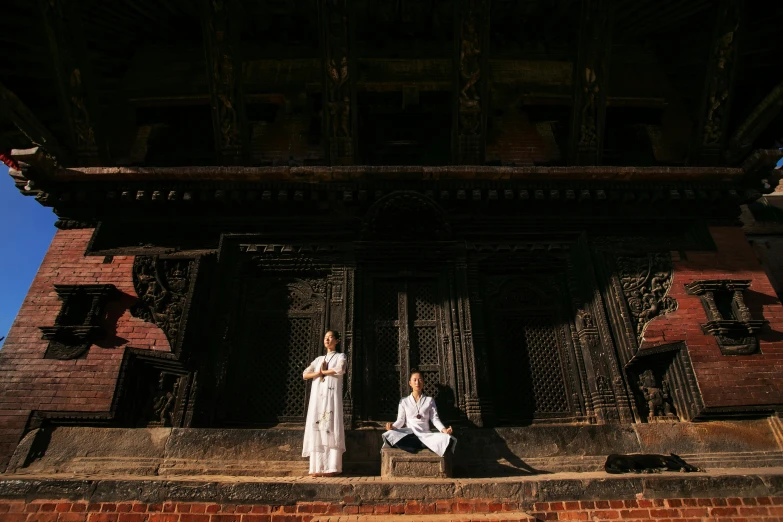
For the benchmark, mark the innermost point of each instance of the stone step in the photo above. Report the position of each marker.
(507, 516)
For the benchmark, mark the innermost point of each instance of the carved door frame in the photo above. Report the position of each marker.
(404, 322)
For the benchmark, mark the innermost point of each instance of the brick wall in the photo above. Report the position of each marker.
(514, 139)
(725, 381)
(30, 382)
(682, 509)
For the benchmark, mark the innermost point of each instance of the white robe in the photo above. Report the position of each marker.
(324, 431)
(406, 416)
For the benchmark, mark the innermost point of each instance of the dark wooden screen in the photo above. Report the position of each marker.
(281, 325)
(403, 318)
(526, 360)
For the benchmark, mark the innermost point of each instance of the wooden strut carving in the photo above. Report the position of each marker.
(718, 84)
(471, 100)
(68, 54)
(163, 287)
(338, 91)
(646, 282)
(590, 77)
(221, 38)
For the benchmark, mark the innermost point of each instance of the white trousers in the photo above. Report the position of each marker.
(330, 461)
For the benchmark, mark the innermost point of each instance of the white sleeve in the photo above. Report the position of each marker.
(434, 416)
(309, 369)
(342, 362)
(400, 422)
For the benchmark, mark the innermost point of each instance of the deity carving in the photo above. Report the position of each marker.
(164, 400)
(657, 396)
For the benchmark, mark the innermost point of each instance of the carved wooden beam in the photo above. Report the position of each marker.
(339, 81)
(221, 24)
(12, 108)
(589, 84)
(471, 46)
(711, 133)
(75, 89)
(766, 111)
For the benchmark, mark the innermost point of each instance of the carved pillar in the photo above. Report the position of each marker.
(471, 404)
(471, 36)
(718, 85)
(339, 92)
(479, 343)
(589, 82)
(341, 318)
(221, 25)
(609, 392)
(78, 101)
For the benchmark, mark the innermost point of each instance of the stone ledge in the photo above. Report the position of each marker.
(526, 491)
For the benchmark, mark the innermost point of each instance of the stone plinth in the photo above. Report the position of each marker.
(424, 464)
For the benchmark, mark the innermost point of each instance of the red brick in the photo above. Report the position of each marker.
(102, 517)
(227, 517)
(124, 507)
(133, 517)
(245, 518)
(211, 508)
(43, 517)
(366, 509)
(74, 517)
(606, 514)
(351, 510)
(381, 509)
(397, 509)
(192, 517)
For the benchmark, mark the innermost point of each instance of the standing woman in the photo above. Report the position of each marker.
(324, 437)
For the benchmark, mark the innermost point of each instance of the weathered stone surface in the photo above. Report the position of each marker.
(399, 463)
(707, 437)
(106, 450)
(524, 490)
(519, 452)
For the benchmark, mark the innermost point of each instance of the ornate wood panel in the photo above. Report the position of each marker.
(281, 323)
(402, 319)
(527, 357)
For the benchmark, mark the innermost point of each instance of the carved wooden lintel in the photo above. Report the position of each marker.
(221, 25)
(711, 132)
(590, 83)
(73, 79)
(470, 74)
(339, 93)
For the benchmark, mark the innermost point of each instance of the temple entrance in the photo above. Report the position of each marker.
(281, 325)
(526, 359)
(402, 321)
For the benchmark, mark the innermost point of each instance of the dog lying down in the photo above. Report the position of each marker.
(646, 463)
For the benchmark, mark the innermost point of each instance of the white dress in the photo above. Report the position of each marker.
(406, 416)
(324, 437)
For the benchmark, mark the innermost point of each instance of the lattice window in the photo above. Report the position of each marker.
(424, 346)
(282, 320)
(424, 301)
(418, 297)
(528, 358)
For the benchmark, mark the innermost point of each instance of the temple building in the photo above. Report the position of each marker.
(565, 214)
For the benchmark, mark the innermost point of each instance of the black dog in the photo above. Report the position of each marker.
(646, 463)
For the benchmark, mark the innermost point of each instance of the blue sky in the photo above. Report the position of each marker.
(26, 229)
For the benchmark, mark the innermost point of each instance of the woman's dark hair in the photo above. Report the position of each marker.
(415, 370)
(334, 333)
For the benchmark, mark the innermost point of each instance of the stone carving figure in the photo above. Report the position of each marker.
(163, 405)
(657, 396)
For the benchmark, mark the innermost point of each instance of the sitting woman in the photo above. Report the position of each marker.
(411, 431)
